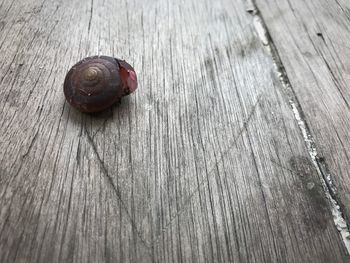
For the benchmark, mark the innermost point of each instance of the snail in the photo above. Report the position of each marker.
(96, 83)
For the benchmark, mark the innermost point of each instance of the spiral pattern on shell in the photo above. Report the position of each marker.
(95, 83)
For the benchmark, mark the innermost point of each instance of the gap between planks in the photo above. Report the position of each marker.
(319, 162)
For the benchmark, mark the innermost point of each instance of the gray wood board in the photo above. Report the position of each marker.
(204, 163)
(312, 38)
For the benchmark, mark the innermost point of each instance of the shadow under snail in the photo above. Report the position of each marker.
(96, 83)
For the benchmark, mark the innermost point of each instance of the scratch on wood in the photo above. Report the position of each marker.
(114, 187)
(211, 171)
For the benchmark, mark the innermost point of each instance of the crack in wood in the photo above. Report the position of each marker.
(91, 13)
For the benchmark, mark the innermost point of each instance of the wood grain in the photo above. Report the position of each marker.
(312, 38)
(204, 163)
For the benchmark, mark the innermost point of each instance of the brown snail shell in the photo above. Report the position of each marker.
(95, 83)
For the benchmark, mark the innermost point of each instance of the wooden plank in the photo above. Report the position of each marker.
(205, 162)
(312, 38)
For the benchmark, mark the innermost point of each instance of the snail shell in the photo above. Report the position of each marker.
(95, 83)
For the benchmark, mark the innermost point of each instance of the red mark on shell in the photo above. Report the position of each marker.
(129, 79)
(132, 81)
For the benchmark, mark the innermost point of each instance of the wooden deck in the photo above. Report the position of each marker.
(234, 148)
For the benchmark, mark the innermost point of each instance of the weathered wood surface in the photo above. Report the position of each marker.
(204, 163)
(313, 40)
